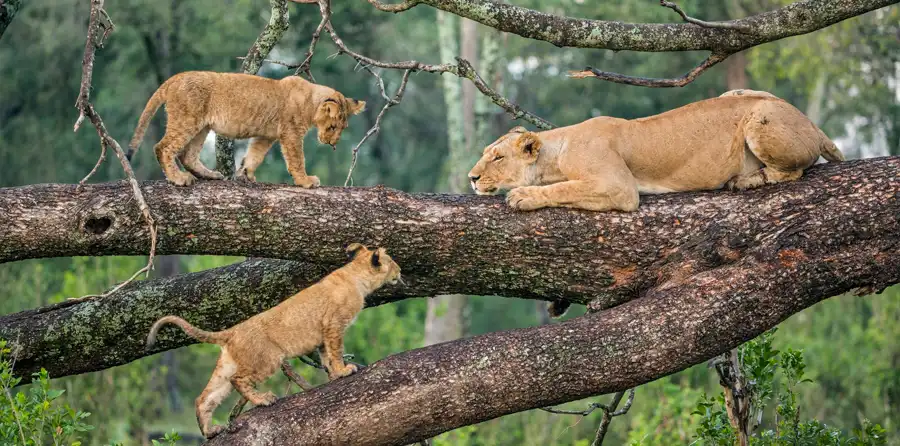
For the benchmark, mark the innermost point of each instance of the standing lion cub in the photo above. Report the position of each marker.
(242, 106)
(740, 140)
(316, 316)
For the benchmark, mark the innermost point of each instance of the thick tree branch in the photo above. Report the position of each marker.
(838, 214)
(801, 17)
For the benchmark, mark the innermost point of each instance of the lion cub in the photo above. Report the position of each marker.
(316, 316)
(740, 140)
(242, 106)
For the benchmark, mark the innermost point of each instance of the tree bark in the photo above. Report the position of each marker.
(445, 245)
(798, 18)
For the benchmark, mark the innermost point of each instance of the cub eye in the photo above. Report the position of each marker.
(498, 158)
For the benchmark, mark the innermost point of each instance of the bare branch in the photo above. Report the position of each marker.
(689, 77)
(86, 109)
(611, 412)
(390, 102)
(743, 28)
(399, 7)
(465, 70)
(325, 12)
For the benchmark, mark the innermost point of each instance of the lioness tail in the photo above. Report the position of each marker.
(209, 337)
(830, 152)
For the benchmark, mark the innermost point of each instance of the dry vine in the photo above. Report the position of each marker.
(86, 109)
(609, 411)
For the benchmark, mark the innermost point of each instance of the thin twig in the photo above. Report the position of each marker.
(390, 102)
(86, 109)
(739, 27)
(609, 411)
(12, 403)
(304, 67)
(463, 70)
(399, 7)
(689, 77)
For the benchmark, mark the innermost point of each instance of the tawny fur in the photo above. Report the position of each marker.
(740, 140)
(315, 317)
(242, 106)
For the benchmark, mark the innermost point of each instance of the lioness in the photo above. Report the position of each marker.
(241, 106)
(740, 140)
(316, 316)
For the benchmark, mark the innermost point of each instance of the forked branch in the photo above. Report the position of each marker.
(93, 41)
(688, 77)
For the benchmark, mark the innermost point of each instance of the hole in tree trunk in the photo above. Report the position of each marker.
(97, 225)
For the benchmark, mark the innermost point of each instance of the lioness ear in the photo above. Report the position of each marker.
(517, 129)
(530, 144)
(330, 108)
(354, 248)
(355, 107)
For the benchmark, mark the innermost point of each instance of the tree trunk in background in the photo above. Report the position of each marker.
(737, 399)
(444, 318)
(490, 66)
(468, 32)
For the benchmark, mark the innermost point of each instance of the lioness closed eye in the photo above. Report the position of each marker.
(242, 106)
(317, 316)
(740, 140)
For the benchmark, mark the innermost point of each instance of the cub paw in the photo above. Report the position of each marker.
(213, 431)
(215, 175)
(183, 179)
(348, 370)
(267, 399)
(307, 182)
(244, 175)
(523, 199)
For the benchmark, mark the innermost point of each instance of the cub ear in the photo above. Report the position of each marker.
(355, 107)
(330, 108)
(354, 248)
(530, 144)
(376, 258)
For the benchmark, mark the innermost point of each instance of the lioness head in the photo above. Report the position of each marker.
(332, 115)
(505, 161)
(377, 261)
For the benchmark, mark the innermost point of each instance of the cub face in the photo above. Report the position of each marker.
(332, 115)
(504, 163)
(380, 263)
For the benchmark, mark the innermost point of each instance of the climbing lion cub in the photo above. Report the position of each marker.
(317, 316)
(242, 106)
(740, 140)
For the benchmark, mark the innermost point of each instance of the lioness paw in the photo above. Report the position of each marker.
(307, 182)
(524, 199)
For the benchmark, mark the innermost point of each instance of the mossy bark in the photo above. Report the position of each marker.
(800, 17)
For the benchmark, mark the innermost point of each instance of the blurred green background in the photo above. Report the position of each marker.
(845, 78)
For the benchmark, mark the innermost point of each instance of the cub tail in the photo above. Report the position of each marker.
(209, 337)
(156, 101)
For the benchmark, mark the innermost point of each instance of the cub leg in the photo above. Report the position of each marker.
(256, 153)
(784, 140)
(292, 148)
(173, 142)
(190, 158)
(212, 396)
(244, 383)
(334, 351)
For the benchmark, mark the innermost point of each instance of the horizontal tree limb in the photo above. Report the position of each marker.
(8, 10)
(801, 17)
(445, 244)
